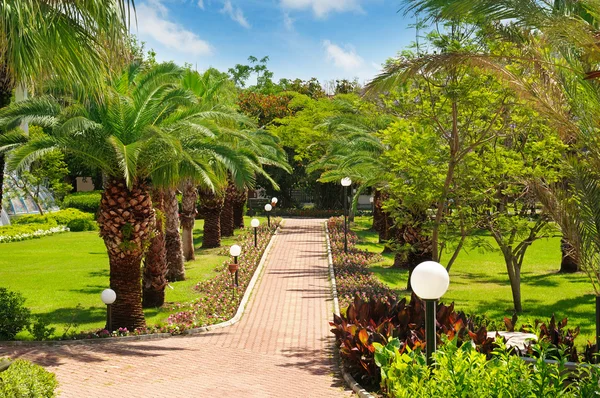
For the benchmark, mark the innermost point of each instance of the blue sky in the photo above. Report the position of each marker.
(326, 39)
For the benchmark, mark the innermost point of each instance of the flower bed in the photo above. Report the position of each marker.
(352, 269)
(18, 233)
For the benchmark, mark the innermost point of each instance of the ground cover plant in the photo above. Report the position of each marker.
(24, 379)
(72, 305)
(479, 285)
(464, 372)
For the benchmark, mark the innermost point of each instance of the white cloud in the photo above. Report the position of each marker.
(153, 24)
(322, 7)
(346, 59)
(235, 13)
(201, 4)
(288, 22)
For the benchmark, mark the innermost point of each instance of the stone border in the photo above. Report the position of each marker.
(357, 388)
(157, 336)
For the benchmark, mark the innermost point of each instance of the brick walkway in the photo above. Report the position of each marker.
(280, 348)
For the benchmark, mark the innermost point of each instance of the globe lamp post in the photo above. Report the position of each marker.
(346, 182)
(108, 296)
(274, 205)
(235, 252)
(268, 209)
(255, 223)
(430, 281)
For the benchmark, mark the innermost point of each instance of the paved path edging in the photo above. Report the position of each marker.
(156, 336)
(247, 293)
(357, 388)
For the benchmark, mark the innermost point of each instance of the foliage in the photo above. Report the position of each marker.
(82, 224)
(61, 217)
(85, 201)
(462, 371)
(264, 107)
(16, 233)
(40, 329)
(14, 316)
(24, 379)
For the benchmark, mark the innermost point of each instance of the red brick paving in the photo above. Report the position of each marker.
(280, 348)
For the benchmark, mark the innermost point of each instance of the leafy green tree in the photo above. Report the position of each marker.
(139, 131)
(74, 40)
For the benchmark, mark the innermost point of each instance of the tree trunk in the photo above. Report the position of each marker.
(421, 246)
(227, 228)
(515, 287)
(6, 89)
(378, 216)
(154, 279)
(126, 220)
(211, 205)
(239, 205)
(175, 263)
(570, 260)
(188, 217)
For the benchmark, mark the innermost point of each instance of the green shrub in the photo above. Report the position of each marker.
(81, 224)
(26, 380)
(464, 372)
(40, 330)
(61, 217)
(84, 201)
(14, 316)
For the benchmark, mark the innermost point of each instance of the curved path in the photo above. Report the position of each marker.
(280, 348)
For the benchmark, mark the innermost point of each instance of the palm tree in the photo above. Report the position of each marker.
(136, 133)
(211, 205)
(154, 279)
(75, 40)
(175, 260)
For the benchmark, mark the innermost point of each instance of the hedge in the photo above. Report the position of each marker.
(26, 380)
(84, 201)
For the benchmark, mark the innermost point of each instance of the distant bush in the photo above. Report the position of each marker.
(61, 217)
(26, 380)
(84, 201)
(14, 316)
(80, 224)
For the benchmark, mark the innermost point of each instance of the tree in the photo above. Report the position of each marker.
(73, 40)
(137, 132)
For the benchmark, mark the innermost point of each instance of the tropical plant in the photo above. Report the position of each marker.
(74, 40)
(140, 131)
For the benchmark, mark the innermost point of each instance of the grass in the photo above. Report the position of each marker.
(62, 276)
(479, 283)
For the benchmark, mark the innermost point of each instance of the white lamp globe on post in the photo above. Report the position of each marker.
(108, 296)
(255, 223)
(235, 252)
(430, 280)
(268, 209)
(274, 204)
(346, 182)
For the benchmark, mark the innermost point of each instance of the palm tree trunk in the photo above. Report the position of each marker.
(227, 228)
(569, 262)
(378, 216)
(239, 205)
(6, 89)
(154, 278)
(175, 263)
(211, 205)
(126, 220)
(188, 217)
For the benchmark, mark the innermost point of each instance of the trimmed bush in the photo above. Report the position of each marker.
(84, 201)
(61, 217)
(26, 380)
(14, 316)
(81, 224)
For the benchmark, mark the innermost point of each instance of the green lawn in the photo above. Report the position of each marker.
(62, 276)
(479, 283)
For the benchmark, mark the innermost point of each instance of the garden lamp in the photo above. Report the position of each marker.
(346, 182)
(268, 209)
(429, 281)
(255, 223)
(274, 204)
(108, 296)
(372, 201)
(235, 252)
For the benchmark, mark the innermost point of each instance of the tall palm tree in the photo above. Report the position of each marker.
(174, 246)
(136, 133)
(76, 40)
(154, 279)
